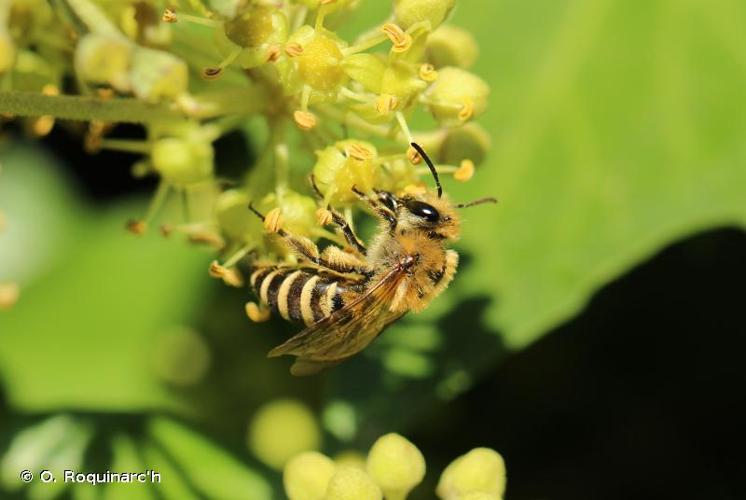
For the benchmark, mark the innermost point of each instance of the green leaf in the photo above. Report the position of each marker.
(618, 127)
(94, 296)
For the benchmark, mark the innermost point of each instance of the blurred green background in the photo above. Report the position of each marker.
(618, 128)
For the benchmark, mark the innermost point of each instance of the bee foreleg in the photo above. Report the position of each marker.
(347, 231)
(379, 209)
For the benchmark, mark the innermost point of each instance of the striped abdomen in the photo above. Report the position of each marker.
(298, 295)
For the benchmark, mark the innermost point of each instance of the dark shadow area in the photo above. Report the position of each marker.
(642, 396)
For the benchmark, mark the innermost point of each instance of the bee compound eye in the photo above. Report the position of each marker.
(423, 210)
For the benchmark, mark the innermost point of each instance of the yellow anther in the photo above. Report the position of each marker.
(324, 217)
(386, 103)
(293, 49)
(166, 230)
(428, 73)
(42, 125)
(415, 189)
(169, 15)
(402, 41)
(273, 220)
(256, 313)
(359, 152)
(137, 227)
(273, 54)
(9, 293)
(233, 277)
(413, 156)
(212, 73)
(216, 270)
(467, 109)
(305, 120)
(465, 171)
(205, 237)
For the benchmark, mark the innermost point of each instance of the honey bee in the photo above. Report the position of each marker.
(347, 297)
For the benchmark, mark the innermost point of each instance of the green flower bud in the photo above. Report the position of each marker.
(409, 12)
(367, 69)
(234, 219)
(457, 96)
(451, 46)
(478, 495)
(470, 142)
(7, 52)
(104, 59)
(352, 483)
(396, 465)
(282, 429)
(182, 162)
(344, 165)
(307, 476)
(481, 470)
(258, 26)
(298, 212)
(320, 64)
(181, 356)
(157, 75)
(402, 81)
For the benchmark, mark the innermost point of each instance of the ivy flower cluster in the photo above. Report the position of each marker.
(393, 468)
(192, 71)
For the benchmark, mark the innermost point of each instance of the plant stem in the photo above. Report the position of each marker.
(124, 110)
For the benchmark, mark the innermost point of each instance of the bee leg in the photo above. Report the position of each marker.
(340, 221)
(379, 209)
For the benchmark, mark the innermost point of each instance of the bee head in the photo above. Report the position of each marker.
(430, 213)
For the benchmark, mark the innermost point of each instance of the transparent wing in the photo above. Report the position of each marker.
(346, 331)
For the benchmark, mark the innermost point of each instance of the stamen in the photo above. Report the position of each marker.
(305, 120)
(428, 73)
(413, 156)
(293, 49)
(401, 40)
(273, 220)
(465, 171)
(467, 110)
(213, 72)
(324, 217)
(386, 103)
(359, 152)
(404, 127)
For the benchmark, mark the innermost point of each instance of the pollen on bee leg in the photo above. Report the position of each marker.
(324, 217)
(273, 220)
(305, 120)
(257, 313)
(9, 293)
(465, 171)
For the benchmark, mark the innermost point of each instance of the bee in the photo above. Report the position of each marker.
(347, 297)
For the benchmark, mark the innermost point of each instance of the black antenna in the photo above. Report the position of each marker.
(429, 164)
(480, 201)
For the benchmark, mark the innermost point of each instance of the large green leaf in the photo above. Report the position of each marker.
(618, 127)
(94, 299)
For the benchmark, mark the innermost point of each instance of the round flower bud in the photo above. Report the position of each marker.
(7, 52)
(468, 142)
(478, 495)
(451, 46)
(104, 59)
(257, 26)
(345, 165)
(402, 81)
(182, 162)
(320, 64)
(481, 470)
(396, 465)
(409, 12)
(307, 476)
(157, 75)
(457, 96)
(298, 213)
(234, 219)
(282, 429)
(352, 483)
